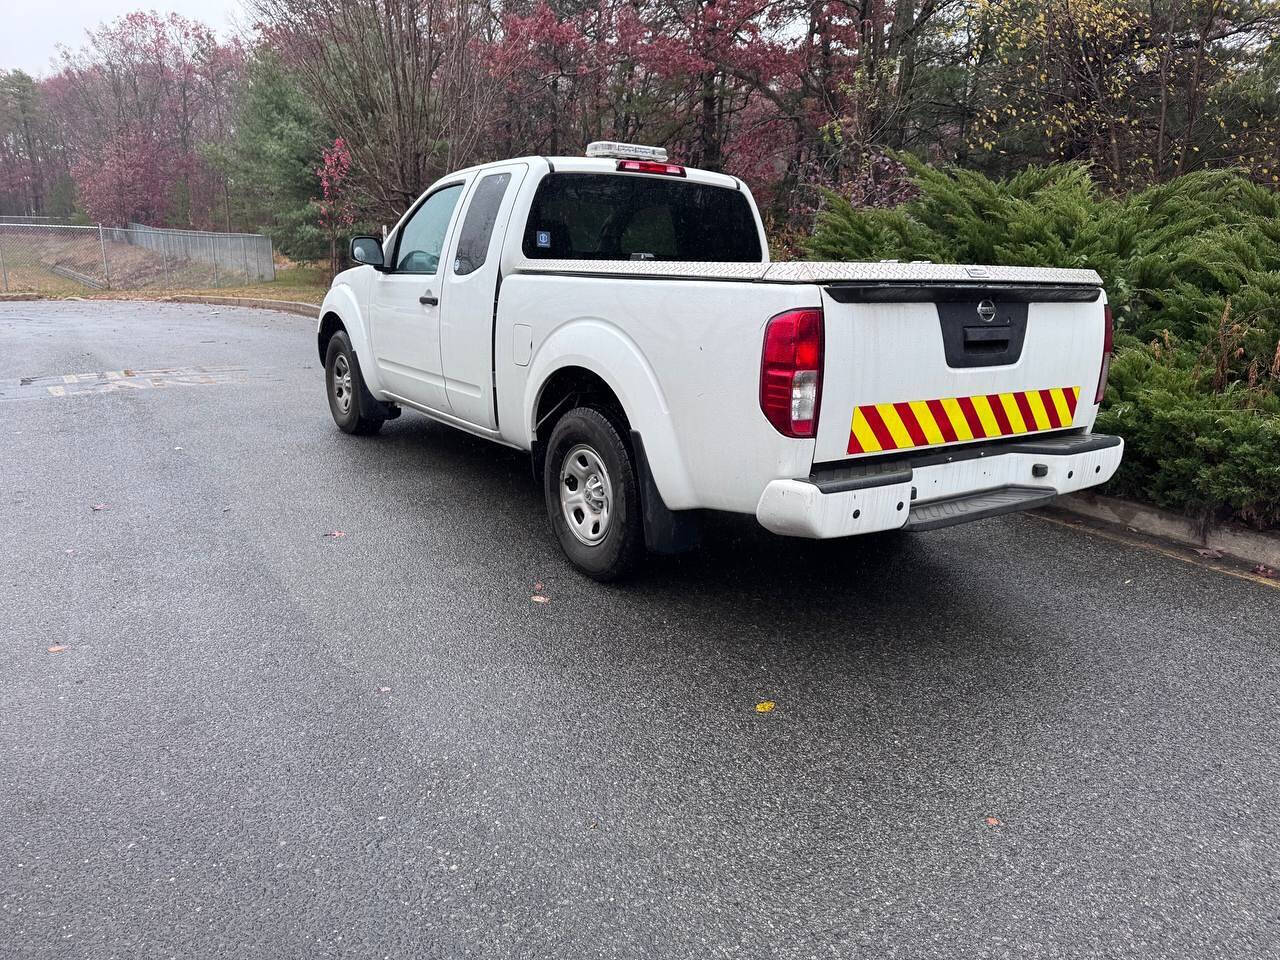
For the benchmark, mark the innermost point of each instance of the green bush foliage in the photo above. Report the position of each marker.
(1192, 271)
(271, 161)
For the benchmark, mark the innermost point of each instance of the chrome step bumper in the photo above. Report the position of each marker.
(945, 487)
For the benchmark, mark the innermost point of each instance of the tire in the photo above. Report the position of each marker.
(353, 407)
(593, 498)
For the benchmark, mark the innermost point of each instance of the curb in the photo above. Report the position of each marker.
(284, 306)
(1252, 546)
(311, 310)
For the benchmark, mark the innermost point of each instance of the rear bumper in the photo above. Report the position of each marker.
(938, 490)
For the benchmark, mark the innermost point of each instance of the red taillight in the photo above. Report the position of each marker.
(791, 372)
(1107, 337)
(651, 166)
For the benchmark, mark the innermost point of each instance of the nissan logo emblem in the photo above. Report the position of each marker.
(987, 310)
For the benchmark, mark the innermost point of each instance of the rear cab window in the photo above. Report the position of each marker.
(619, 216)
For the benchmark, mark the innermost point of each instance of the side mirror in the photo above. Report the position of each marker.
(367, 250)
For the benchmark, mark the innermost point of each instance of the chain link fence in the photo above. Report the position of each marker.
(14, 218)
(58, 258)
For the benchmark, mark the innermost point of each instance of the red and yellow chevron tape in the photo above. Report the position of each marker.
(921, 423)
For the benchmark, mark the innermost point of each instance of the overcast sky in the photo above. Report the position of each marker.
(33, 28)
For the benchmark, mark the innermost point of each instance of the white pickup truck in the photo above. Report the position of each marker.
(618, 316)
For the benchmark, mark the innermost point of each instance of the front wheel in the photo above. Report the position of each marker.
(353, 407)
(593, 499)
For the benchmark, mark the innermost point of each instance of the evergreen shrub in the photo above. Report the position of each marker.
(1192, 271)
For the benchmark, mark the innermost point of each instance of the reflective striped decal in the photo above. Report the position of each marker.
(878, 427)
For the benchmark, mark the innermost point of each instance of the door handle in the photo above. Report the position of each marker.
(429, 299)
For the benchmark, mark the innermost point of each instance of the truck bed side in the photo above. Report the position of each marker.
(912, 359)
(683, 356)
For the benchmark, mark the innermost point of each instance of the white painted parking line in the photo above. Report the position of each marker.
(114, 381)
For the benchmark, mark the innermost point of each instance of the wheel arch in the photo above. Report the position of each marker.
(571, 385)
(330, 323)
(341, 311)
(594, 359)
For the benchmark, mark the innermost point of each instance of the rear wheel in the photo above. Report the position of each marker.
(353, 407)
(593, 499)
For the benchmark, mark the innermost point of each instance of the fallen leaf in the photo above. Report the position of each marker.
(99, 506)
(539, 598)
(57, 648)
(993, 822)
(334, 534)
(765, 706)
(1211, 554)
(384, 689)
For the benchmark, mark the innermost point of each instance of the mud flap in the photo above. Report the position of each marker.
(665, 530)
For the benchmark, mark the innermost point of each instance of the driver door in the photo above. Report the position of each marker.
(404, 309)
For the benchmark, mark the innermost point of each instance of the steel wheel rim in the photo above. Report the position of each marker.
(586, 495)
(342, 383)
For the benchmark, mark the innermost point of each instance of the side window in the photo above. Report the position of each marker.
(477, 226)
(422, 239)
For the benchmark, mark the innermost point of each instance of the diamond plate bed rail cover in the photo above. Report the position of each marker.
(653, 269)
(823, 272)
(815, 272)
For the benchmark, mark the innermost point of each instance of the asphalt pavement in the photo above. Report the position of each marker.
(227, 732)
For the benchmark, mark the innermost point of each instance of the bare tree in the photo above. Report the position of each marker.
(398, 80)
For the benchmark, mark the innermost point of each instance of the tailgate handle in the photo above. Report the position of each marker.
(986, 338)
(975, 335)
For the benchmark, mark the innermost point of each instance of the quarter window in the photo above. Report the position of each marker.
(477, 227)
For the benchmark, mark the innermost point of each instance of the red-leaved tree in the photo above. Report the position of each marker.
(135, 104)
(337, 202)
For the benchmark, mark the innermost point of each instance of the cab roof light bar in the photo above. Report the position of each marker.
(626, 151)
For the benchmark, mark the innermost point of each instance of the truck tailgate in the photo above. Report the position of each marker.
(910, 365)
